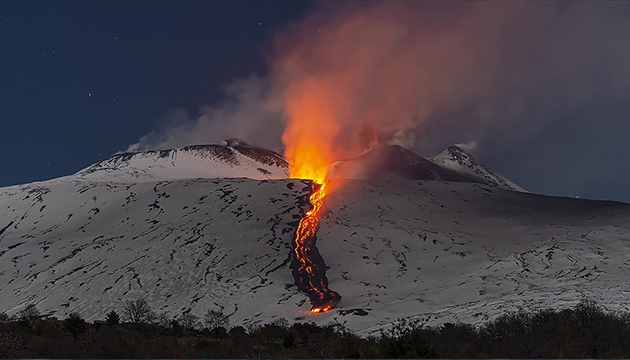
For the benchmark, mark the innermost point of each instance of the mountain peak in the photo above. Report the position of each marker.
(459, 155)
(396, 162)
(390, 162)
(456, 159)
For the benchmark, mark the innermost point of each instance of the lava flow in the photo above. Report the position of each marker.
(309, 269)
(309, 147)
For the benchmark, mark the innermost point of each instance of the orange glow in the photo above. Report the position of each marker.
(322, 298)
(311, 131)
(306, 229)
(322, 309)
(309, 138)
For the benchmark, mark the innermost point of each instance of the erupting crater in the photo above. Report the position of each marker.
(309, 269)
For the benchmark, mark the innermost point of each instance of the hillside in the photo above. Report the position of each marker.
(232, 160)
(389, 162)
(437, 251)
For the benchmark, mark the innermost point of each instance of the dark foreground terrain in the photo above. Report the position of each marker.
(586, 331)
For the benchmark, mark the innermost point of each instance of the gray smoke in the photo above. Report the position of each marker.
(244, 113)
(540, 88)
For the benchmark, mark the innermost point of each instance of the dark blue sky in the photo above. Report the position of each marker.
(82, 80)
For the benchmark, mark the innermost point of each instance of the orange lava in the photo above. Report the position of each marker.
(321, 309)
(308, 140)
(305, 231)
(313, 276)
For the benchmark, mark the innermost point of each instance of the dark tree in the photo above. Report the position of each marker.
(163, 320)
(138, 312)
(216, 319)
(30, 312)
(176, 328)
(112, 318)
(189, 321)
(4, 318)
(75, 325)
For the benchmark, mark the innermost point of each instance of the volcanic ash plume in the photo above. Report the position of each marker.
(440, 72)
(521, 79)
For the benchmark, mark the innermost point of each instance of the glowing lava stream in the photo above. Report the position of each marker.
(311, 273)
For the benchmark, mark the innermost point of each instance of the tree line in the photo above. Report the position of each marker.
(585, 331)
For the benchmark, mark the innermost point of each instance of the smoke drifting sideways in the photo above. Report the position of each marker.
(244, 113)
(524, 82)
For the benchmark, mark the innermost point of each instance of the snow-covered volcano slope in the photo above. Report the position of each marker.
(71, 245)
(447, 252)
(414, 249)
(461, 162)
(388, 162)
(232, 160)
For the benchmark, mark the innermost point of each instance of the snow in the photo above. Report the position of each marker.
(201, 161)
(72, 245)
(388, 162)
(211, 227)
(447, 252)
(456, 159)
(429, 250)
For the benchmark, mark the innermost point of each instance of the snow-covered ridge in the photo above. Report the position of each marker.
(239, 160)
(395, 162)
(198, 161)
(461, 162)
(390, 162)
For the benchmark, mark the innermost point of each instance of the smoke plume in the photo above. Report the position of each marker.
(506, 75)
(244, 113)
(461, 71)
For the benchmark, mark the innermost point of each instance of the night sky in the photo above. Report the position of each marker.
(82, 80)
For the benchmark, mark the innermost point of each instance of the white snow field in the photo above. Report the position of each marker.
(429, 250)
(70, 245)
(447, 252)
(190, 162)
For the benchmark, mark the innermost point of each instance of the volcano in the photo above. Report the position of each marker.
(384, 162)
(233, 159)
(203, 228)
